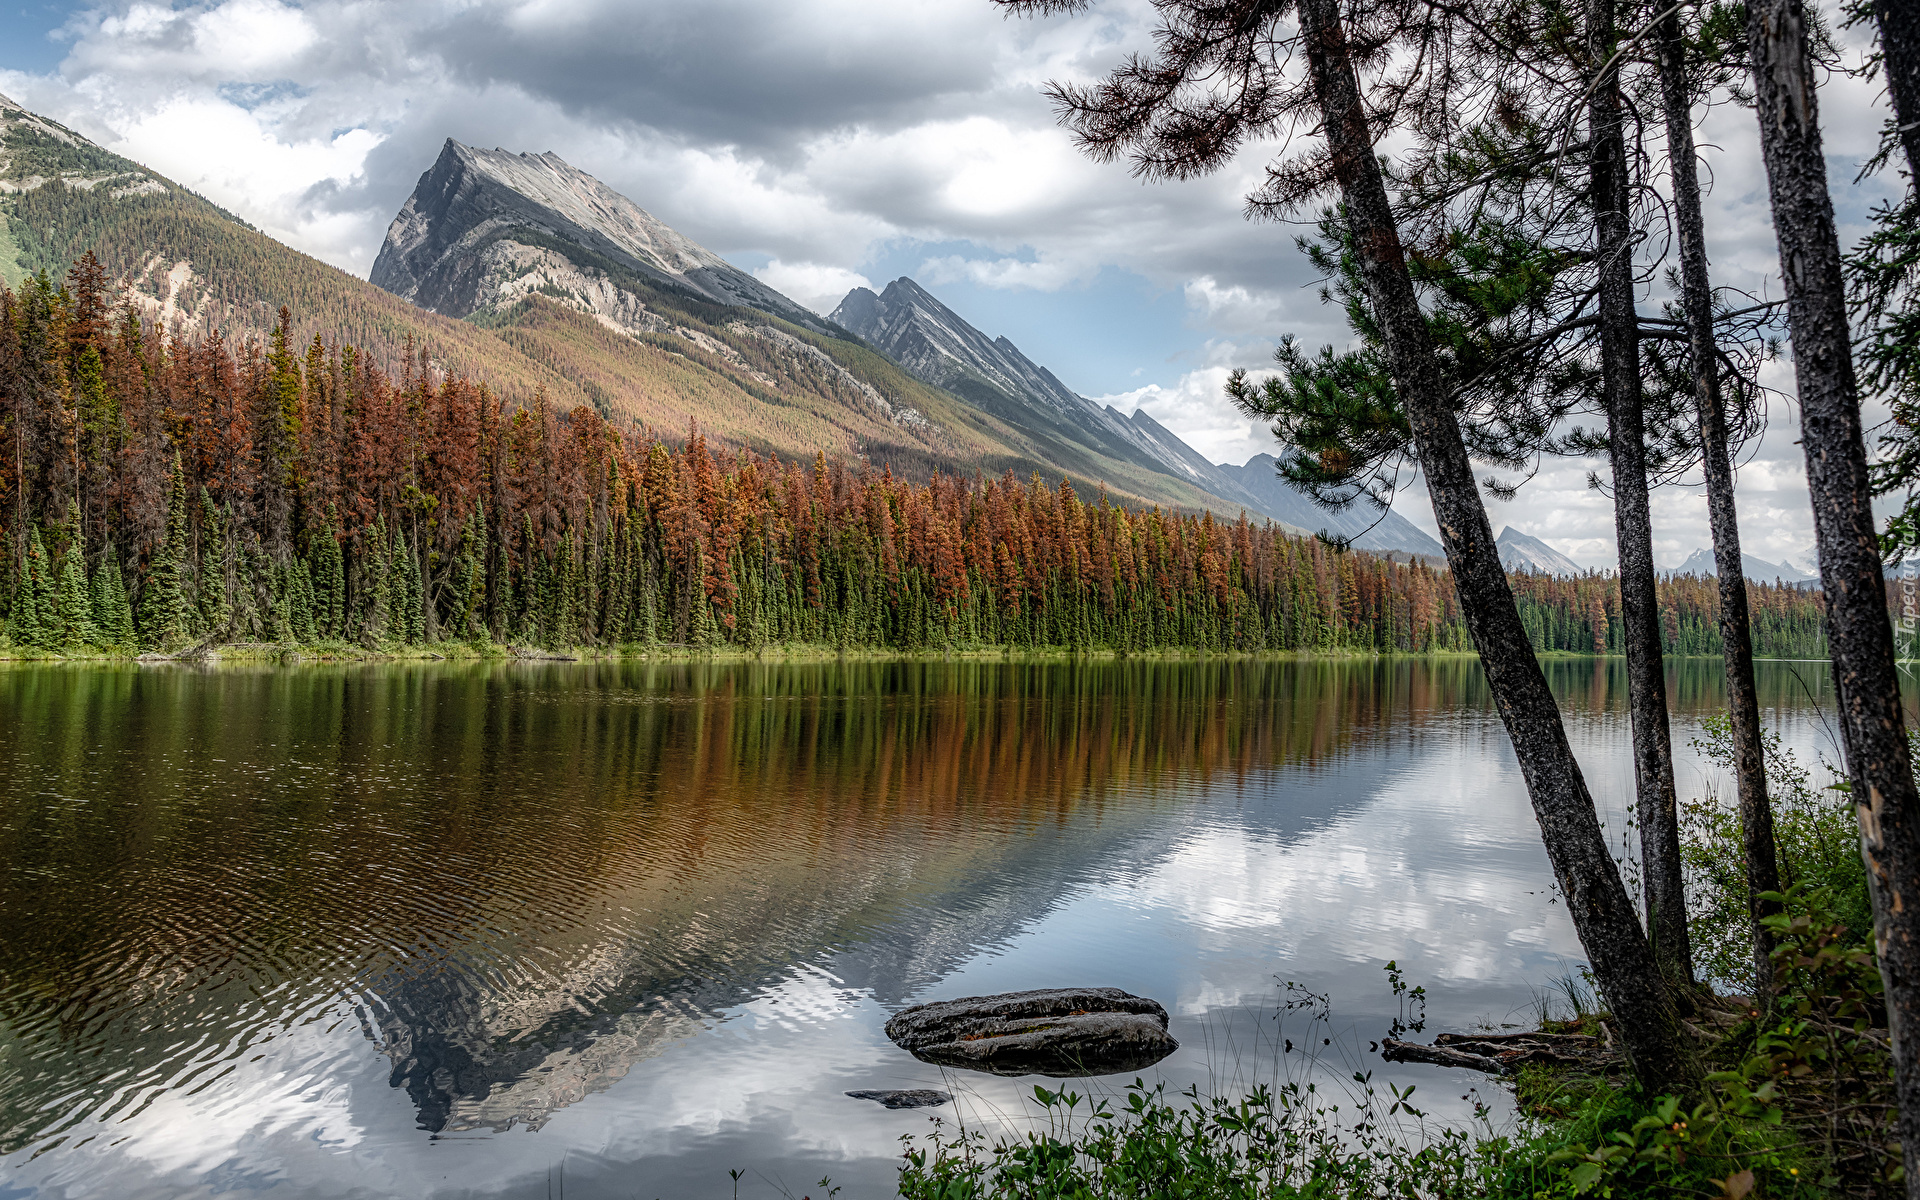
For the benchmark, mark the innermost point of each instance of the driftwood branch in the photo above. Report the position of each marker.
(1503, 1053)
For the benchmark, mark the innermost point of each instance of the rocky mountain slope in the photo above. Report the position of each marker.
(1523, 552)
(936, 344)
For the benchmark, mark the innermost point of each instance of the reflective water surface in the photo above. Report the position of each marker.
(482, 930)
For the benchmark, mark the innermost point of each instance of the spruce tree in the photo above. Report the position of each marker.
(163, 605)
(327, 571)
(74, 623)
(215, 607)
(533, 590)
(112, 616)
(469, 582)
(379, 589)
(705, 631)
(409, 620)
(25, 619)
(300, 602)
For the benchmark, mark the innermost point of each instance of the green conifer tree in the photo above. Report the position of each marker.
(76, 630)
(214, 602)
(112, 615)
(328, 570)
(409, 624)
(379, 590)
(163, 604)
(24, 619)
(704, 631)
(300, 602)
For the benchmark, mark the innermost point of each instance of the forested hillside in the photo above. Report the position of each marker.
(164, 489)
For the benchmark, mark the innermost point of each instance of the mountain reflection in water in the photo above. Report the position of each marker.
(524, 880)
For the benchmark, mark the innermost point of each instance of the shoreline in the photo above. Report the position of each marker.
(335, 653)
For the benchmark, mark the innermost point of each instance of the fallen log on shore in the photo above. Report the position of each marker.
(1504, 1053)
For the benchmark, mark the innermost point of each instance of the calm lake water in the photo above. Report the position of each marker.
(610, 930)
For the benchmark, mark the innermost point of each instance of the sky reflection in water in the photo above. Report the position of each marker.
(469, 930)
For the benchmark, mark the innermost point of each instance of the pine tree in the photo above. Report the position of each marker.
(704, 631)
(163, 606)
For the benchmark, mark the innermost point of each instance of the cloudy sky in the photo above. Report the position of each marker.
(826, 144)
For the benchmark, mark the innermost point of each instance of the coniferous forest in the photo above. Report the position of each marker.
(165, 488)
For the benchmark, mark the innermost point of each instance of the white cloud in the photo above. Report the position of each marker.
(818, 287)
(1196, 407)
(999, 273)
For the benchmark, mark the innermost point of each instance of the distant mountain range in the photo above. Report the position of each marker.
(1524, 552)
(1700, 562)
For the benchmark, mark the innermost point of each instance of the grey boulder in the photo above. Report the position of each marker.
(1067, 1033)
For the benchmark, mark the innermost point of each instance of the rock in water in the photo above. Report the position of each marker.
(914, 1098)
(1063, 1032)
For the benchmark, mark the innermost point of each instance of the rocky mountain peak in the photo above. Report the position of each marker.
(1524, 552)
(484, 227)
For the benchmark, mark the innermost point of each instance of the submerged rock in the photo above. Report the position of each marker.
(1063, 1032)
(913, 1098)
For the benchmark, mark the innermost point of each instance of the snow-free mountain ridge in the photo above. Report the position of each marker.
(1524, 552)
(936, 344)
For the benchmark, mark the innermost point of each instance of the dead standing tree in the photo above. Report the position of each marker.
(1228, 71)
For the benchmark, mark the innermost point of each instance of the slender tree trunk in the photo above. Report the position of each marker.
(1656, 808)
(1602, 912)
(1736, 637)
(1859, 633)
(1900, 44)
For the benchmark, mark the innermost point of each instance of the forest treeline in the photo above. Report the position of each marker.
(165, 489)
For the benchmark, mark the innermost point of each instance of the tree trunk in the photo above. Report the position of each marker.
(1736, 637)
(1602, 912)
(1859, 633)
(1656, 808)
(1900, 44)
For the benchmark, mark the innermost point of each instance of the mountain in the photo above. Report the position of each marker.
(485, 227)
(1522, 552)
(1701, 563)
(937, 345)
(1368, 530)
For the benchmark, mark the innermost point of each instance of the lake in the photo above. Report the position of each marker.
(611, 930)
